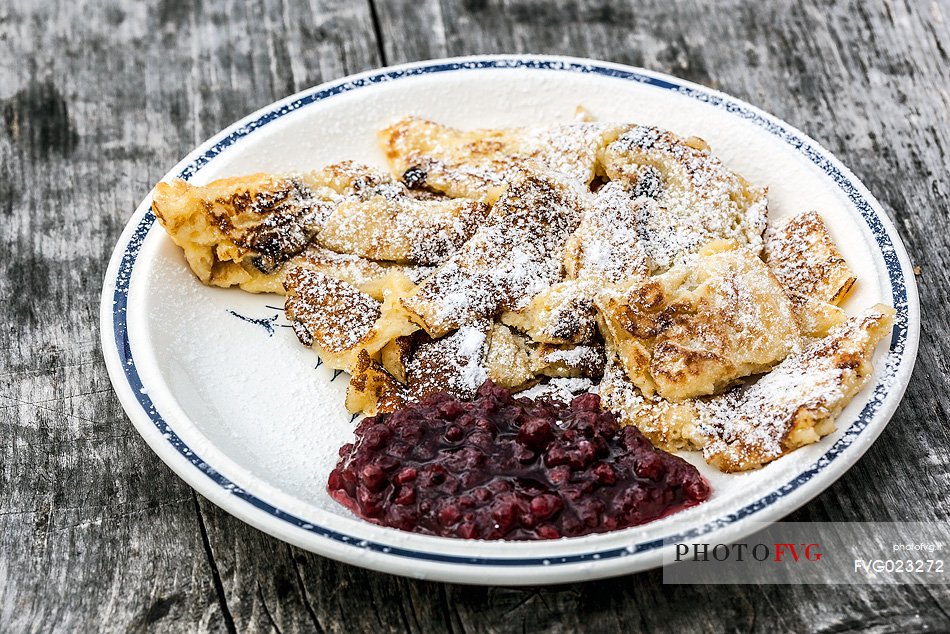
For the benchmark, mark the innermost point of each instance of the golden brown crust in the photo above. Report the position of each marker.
(803, 256)
(247, 231)
(478, 163)
(234, 228)
(695, 329)
(696, 198)
(371, 389)
(562, 313)
(621, 233)
(670, 426)
(512, 257)
(341, 321)
(798, 401)
(330, 315)
(401, 228)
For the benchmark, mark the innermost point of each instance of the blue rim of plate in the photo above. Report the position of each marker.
(815, 155)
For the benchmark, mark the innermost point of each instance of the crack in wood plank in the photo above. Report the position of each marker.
(215, 575)
(304, 595)
(378, 32)
(270, 617)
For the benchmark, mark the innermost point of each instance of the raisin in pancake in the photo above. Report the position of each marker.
(696, 198)
(798, 401)
(695, 329)
(803, 256)
(513, 256)
(243, 231)
(478, 163)
(237, 230)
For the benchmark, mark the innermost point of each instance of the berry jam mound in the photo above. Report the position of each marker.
(501, 467)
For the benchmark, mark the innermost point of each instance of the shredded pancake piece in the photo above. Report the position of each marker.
(561, 313)
(369, 276)
(372, 389)
(697, 199)
(670, 426)
(245, 231)
(513, 256)
(569, 361)
(339, 320)
(330, 314)
(478, 163)
(803, 256)
(609, 244)
(797, 402)
(236, 230)
(695, 329)
(415, 366)
(509, 361)
(396, 226)
(454, 363)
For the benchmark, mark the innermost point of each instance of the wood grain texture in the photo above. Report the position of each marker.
(98, 99)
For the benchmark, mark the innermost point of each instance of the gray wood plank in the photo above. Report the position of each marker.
(98, 100)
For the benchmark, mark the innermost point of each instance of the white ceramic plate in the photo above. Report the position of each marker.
(231, 401)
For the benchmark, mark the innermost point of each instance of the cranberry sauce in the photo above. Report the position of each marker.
(505, 468)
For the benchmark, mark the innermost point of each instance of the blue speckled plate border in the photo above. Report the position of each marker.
(899, 285)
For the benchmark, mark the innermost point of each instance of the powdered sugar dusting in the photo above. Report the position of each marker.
(797, 401)
(454, 363)
(570, 149)
(328, 312)
(759, 418)
(402, 228)
(610, 240)
(668, 198)
(513, 256)
(697, 200)
(560, 389)
(805, 260)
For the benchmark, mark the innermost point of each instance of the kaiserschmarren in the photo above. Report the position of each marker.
(615, 257)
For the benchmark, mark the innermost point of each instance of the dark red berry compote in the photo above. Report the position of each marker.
(500, 467)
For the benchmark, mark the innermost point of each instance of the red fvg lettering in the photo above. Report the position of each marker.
(809, 551)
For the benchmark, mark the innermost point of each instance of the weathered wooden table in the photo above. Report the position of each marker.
(100, 98)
